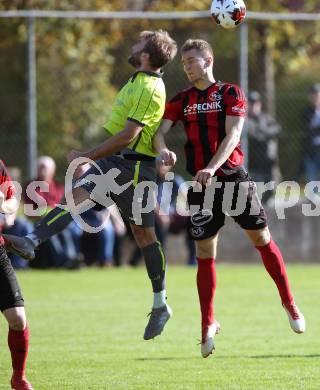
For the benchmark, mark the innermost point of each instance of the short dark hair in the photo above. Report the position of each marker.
(198, 44)
(160, 47)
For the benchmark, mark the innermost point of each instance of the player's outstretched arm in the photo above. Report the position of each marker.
(167, 156)
(234, 126)
(112, 145)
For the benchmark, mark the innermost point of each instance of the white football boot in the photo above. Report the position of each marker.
(207, 340)
(296, 318)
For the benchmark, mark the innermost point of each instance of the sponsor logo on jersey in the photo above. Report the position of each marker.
(201, 217)
(215, 96)
(203, 108)
(197, 231)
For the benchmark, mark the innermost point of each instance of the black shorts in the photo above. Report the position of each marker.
(10, 292)
(206, 222)
(129, 201)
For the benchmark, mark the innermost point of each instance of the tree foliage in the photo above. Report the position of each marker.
(82, 63)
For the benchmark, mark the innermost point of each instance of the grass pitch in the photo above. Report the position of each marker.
(87, 326)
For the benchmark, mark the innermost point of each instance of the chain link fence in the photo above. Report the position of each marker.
(82, 63)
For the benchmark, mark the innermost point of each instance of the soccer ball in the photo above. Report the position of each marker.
(228, 13)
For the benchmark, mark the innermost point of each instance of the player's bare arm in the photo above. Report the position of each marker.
(8, 206)
(234, 126)
(112, 145)
(168, 157)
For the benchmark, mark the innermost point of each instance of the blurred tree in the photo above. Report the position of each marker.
(82, 63)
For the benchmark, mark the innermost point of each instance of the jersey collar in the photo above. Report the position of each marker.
(148, 72)
(203, 90)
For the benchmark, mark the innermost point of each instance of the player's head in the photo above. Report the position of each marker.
(255, 103)
(154, 49)
(46, 168)
(197, 59)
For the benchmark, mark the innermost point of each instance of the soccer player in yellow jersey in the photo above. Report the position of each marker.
(133, 122)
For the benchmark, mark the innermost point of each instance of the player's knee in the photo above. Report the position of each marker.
(18, 322)
(261, 237)
(143, 236)
(206, 249)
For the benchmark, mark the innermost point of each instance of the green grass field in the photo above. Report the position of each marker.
(87, 326)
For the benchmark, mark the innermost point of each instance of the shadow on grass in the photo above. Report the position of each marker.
(165, 358)
(284, 356)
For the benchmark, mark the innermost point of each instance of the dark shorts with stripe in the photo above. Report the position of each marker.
(10, 292)
(130, 201)
(211, 216)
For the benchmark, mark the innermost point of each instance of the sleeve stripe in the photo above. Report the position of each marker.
(136, 121)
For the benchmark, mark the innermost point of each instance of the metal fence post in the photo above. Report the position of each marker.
(32, 100)
(243, 77)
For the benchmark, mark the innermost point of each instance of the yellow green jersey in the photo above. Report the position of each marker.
(141, 100)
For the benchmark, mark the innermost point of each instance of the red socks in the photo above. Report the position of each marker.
(274, 264)
(206, 283)
(206, 279)
(18, 342)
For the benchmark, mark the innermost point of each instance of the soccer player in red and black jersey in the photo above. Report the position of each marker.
(11, 300)
(213, 114)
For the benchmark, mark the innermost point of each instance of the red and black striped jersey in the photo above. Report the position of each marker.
(203, 114)
(6, 185)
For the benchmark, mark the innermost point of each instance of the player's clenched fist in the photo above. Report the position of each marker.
(168, 157)
(204, 176)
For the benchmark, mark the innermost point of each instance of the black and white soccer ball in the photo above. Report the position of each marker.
(228, 13)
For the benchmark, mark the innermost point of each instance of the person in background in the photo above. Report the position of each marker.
(311, 135)
(60, 250)
(263, 133)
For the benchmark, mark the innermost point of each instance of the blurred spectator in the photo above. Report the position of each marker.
(311, 135)
(61, 249)
(263, 133)
(120, 230)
